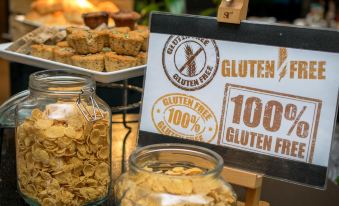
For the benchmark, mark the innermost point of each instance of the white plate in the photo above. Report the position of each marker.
(104, 77)
(22, 19)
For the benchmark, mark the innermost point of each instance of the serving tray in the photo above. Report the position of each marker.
(103, 77)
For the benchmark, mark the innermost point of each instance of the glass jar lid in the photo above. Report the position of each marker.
(167, 156)
(60, 81)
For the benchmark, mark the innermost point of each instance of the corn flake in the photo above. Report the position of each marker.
(49, 202)
(55, 132)
(43, 123)
(95, 136)
(62, 159)
(103, 153)
(146, 188)
(101, 171)
(40, 155)
(88, 170)
(37, 114)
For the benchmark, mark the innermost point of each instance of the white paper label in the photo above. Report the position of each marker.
(275, 101)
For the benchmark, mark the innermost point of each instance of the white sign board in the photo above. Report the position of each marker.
(267, 102)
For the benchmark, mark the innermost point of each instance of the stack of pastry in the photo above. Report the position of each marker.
(66, 12)
(98, 50)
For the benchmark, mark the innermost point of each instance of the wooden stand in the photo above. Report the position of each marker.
(252, 183)
(232, 11)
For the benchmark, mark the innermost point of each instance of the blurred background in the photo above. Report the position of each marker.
(19, 17)
(13, 13)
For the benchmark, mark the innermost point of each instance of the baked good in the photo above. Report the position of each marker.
(93, 62)
(43, 51)
(141, 27)
(71, 29)
(107, 6)
(106, 49)
(126, 44)
(42, 35)
(142, 58)
(125, 18)
(95, 19)
(62, 44)
(105, 34)
(145, 34)
(86, 42)
(120, 30)
(45, 7)
(64, 54)
(114, 30)
(73, 12)
(114, 62)
(51, 19)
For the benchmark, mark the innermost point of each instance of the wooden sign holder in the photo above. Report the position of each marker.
(234, 11)
(251, 182)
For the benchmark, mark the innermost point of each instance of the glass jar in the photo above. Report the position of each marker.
(174, 175)
(63, 141)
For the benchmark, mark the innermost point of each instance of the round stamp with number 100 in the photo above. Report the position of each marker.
(184, 116)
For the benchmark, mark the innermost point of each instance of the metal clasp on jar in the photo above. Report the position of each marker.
(95, 113)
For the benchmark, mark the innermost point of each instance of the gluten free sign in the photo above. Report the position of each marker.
(263, 96)
(268, 122)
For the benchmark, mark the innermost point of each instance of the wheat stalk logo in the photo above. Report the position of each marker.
(191, 65)
(282, 63)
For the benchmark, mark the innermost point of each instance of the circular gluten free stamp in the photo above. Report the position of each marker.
(190, 63)
(184, 116)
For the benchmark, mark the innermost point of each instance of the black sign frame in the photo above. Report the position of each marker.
(326, 40)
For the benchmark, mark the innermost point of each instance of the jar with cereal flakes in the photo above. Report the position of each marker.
(63, 141)
(174, 175)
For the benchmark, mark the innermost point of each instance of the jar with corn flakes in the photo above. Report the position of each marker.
(174, 175)
(63, 141)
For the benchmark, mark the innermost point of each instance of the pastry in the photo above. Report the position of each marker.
(86, 42)
(43, 51)
(73, 12)
(114, 62)
(107, 6)
(62, 44)
(71, 29)
(141, 27)
(106, 49)
(145, 34)
(114, 30)
(126, 44)
(45, 7)
(95, 19)
(105, 34)
(64, 54)
(93, 62)
(120, 30)
(123, 18)
(142, 58)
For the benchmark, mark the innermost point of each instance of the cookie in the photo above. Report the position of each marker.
(86, 42)
(93, 62)
(64, 54)
(126, 44)
(115, 62)
(43, 51)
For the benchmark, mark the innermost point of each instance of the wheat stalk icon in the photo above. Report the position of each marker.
(191, 65)
(282, 60)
